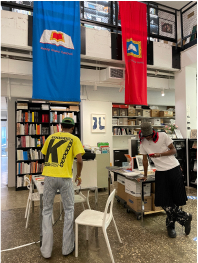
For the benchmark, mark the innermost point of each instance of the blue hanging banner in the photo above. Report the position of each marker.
(56, 50)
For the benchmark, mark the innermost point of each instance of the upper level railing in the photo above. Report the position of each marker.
(189, 25)
(103, 15)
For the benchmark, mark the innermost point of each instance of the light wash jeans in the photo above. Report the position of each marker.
(65, 186)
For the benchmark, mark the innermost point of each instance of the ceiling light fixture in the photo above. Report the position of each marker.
(162, 93)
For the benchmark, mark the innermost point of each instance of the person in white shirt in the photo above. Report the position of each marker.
(170, 190)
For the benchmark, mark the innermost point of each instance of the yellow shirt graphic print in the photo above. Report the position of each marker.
(60, 150)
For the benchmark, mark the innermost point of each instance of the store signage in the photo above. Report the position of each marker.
(134, 38)
(56, 50)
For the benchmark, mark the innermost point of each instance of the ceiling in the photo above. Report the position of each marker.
(174, 4)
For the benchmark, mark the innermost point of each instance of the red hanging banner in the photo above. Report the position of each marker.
(134, 38)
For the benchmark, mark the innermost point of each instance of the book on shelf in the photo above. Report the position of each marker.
(34, 108)
(23, 168)
(55, 128)
(45, 118)
(58, 108)
(28, 168)
(30, 154)
(74, 108)
(55, 117)
(26, 116)
(22, 105)
(45, 106)
(45, 130)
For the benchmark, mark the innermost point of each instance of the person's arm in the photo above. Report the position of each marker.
(145, 165)
(171, 151)
(79, 168)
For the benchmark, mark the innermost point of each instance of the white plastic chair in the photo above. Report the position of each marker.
(97, 219)
(78, 198)
(31, 197)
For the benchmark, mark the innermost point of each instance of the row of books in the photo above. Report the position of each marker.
(28, 141)
(57, 128)
(33, 167)
(122, 131)
(54, 117)
(30, 116)
(61, 108)
(31, 129)
(30, 154)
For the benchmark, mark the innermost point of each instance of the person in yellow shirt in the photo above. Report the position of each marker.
(60, 149)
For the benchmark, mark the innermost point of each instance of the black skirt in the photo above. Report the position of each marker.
(170, 188)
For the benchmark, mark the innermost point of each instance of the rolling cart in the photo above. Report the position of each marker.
(150, 179)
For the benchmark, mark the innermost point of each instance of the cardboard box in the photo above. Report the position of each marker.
(121, 121)
(123, 112)
(155, 113)
(121, 192)
(125, 121)
(121, 179)
(134, 188)
(131, 111)
(146, 113)
(138, 122)
(115, 112)
(114, 121)
(132, 122)
(155, 208)
(166, 113)
(153, 187)
(135, 203)
(138, 112)
(156, 121)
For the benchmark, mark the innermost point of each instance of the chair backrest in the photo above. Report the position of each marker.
(107, 219)
(28, 181)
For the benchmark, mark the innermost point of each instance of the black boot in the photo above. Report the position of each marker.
(184, 219)
(170, 228)
(187, 224)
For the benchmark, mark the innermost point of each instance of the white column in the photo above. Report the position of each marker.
(186, 91)
(11, 142)
(186, 95)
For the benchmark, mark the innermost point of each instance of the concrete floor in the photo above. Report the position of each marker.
(142, 242)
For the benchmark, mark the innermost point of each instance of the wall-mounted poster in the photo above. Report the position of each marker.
(166, 28)
(98, 123)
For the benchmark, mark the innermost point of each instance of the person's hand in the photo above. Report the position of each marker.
(142, 178)
(156, 155)
(78, 178)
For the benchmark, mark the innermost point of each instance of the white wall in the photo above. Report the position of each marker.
(98, 43)
(186, 91)
(14, 28)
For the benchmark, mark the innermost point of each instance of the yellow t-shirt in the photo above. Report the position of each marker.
(60, 149)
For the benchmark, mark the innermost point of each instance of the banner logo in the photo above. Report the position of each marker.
(56, 38)
(134, 48)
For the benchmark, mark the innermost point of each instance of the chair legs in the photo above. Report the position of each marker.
(117, 231)
(76, 240)
(26, 210)
(87, 199)
(28, 213)
(108, 245)
(87, 232)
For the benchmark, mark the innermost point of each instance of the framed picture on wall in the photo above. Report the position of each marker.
(98, 123)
